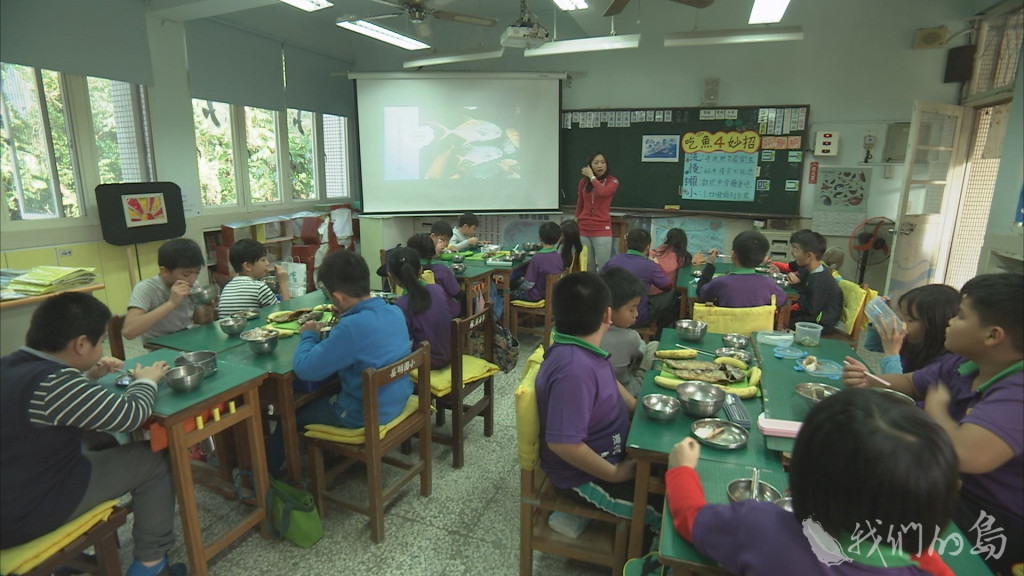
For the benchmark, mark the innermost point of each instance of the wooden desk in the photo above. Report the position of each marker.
(649, 442)
(475, 272)
(16, 315)
(232, 383)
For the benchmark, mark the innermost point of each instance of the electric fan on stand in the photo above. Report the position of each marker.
(871, 243)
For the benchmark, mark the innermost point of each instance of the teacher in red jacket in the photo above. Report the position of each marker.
(593, 210)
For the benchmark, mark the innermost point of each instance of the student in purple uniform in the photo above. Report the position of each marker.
(921, 337)
(428, 314)
(861, 457)
(545, 262)
(443, 277)
(638, 243)
(584, 412)
(976, 394)
(743, 287)
(821, 300)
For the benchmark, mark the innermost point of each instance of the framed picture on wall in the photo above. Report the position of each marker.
(660, 148)
(144, 209)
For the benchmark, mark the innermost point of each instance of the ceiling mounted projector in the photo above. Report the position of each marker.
(524, 36)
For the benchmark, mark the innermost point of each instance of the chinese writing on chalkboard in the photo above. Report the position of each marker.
(704, 141)
(723, 176)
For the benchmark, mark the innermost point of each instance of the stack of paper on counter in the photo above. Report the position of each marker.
(46, 279)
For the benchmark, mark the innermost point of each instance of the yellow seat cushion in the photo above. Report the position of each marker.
(527, 304)
(527, 414)
(871, 294)
(853, 299)
(21, 559)
(358, 435)
(473, 369)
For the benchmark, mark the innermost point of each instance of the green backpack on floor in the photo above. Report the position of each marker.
(292, 514)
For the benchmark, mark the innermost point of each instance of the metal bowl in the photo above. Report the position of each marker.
(691, 330)
(741, 355)
(785, 503)
(261, 341)
(762, 269)
(458, 258)
(739, 489)
(896, 395)
(532, 246)
(233, 326)
(813, 392)
(458, 268)
(184, 378)
(324, 290)
(736, 340)
(204, 294)
(271, 281)
(700, 398)
(205, 359)
(660, 406)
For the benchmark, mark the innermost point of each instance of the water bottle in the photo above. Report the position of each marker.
(879, 312)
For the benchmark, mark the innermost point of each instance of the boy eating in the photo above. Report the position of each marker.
(247, 290)
(821, 300)
(629, 355)
(743, 287)
(160, 305)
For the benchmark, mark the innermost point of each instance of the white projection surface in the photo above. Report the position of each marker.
(457, 143)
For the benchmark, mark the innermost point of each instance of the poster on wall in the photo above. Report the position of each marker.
(660, 148)
(841, 200)
(144, 209)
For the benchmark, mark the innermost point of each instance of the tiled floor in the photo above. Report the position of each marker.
(469, 525)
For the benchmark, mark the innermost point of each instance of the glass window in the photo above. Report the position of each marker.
(261, 141)
(214, 151)
(121, 148)
(301, 155)
(335, 156)
(36, 166)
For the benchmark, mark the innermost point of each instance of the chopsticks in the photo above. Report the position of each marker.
(699, 351)
(871, 376)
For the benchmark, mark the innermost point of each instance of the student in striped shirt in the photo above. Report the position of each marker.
(247, 290)
(49, 400)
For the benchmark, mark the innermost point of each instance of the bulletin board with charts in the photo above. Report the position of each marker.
(745, 160)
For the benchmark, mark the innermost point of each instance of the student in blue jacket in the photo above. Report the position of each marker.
(370, 334)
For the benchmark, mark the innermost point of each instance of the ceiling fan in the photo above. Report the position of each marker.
(619, 5)
(420, 12)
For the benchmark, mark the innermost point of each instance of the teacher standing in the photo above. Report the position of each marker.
(593, 210)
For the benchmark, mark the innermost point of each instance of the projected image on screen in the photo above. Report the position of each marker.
(451, 143)
(470, 142)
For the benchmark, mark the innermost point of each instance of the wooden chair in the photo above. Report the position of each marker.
(452, 385)
(95, 529)
(536, 312)
(372, 449)
(605, 538)
(115, 337)
(739, 320)
(850, 322)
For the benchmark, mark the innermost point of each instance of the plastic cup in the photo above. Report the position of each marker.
(879, 312)
(808, 333)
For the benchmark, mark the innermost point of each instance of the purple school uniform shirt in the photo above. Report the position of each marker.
(999, 408)
(647, 271)
(760, 538)
(444, 278)
(743, 288)
(432, 325)
(541, 265)
(578, 401)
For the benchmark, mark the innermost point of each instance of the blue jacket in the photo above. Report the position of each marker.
(371, 334)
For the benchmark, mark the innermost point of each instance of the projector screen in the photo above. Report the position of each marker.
(456, 143)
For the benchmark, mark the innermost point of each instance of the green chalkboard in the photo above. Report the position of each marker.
(743, 160)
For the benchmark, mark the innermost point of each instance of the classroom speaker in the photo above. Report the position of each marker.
(959, 63)
(711, 91)
(930, 38)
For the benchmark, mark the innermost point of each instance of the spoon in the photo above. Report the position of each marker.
(699, 351)
(755, 485)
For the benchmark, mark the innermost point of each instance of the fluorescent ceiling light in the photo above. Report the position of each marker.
(767, 11)
(568, 5)
(453, 57)
(383, 34)
(741, 36)
(597, 44)
(309, 5)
